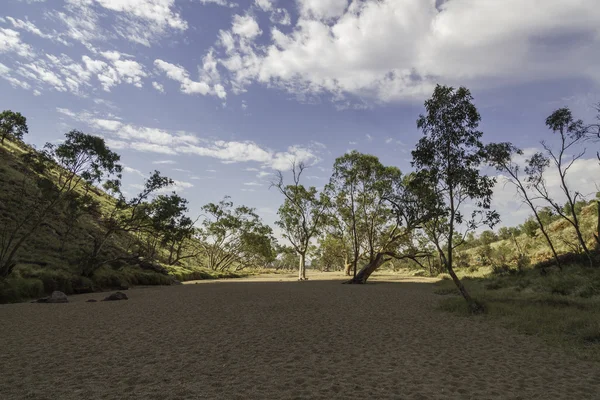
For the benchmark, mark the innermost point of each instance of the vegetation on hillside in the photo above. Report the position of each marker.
(65, 222)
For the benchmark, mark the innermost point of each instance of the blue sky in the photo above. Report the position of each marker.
(219, 94)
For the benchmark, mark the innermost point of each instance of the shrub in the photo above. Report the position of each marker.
(18, 289)
(494, 285)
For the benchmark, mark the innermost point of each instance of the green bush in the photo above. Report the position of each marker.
(19, 289)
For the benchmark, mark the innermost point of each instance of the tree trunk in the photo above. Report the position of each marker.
(474, 306)
(597, 235)
(347, 266)
(366, 271)
(302, 267)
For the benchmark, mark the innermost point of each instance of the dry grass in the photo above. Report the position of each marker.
(561, 308)
(277, 340)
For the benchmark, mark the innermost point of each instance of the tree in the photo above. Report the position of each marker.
(410, 205)
(301, 215)
(500, 156)
(571, 133)
(449, 155)
(234, 238)
(374, 206)
(488, 237)
(173, 229)
(126, 216)
(331, 254)
(358, 187)
(504, 233)
(12, 124)
(80, 157)
(285, 258)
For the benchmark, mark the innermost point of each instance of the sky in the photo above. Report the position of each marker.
(218, 95)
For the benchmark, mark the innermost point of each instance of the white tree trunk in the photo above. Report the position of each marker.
(302, 268)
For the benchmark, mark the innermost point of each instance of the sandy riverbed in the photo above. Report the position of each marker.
(260, 338)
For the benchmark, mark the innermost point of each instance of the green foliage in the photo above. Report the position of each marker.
(302, 214)
(234, 237)
(448, 157)
(79, 157)
(12, 124)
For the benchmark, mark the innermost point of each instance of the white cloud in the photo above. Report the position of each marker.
(252, 184)
(322, 9)
(107, 124)
(188, 86)
(280, 16)
(224, 3)
(133, 171)
(580, 178)
(231, 152)
(146, 139)
(158, 87)
(343, 48)
(245, 26)
(164, 162)
(139, 21)
(265, 5)
(10, 42)
(263, 174)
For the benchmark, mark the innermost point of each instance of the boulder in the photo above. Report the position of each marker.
(116, 296)
(55, 297)
(175, 281)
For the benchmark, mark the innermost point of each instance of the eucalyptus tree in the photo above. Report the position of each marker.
(126, 216)
(405, 206)
(374, 206)
(301, 215)
(173, 228)
(448, 158)
(80, 160)
(358, 187)
(501, 156)
(12, 124)
(234, 237)
(571, 134)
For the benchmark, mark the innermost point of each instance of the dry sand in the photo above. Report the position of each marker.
(276, 340)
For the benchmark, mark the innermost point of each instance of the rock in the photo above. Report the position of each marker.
(175, 282)
(116, 296)
(91, 301)
(55, 297)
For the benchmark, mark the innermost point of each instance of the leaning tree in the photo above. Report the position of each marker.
(448, 157)
(379, 208)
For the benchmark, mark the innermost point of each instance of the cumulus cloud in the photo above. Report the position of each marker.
(158, 87)
(343, 48)
(245, 26)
